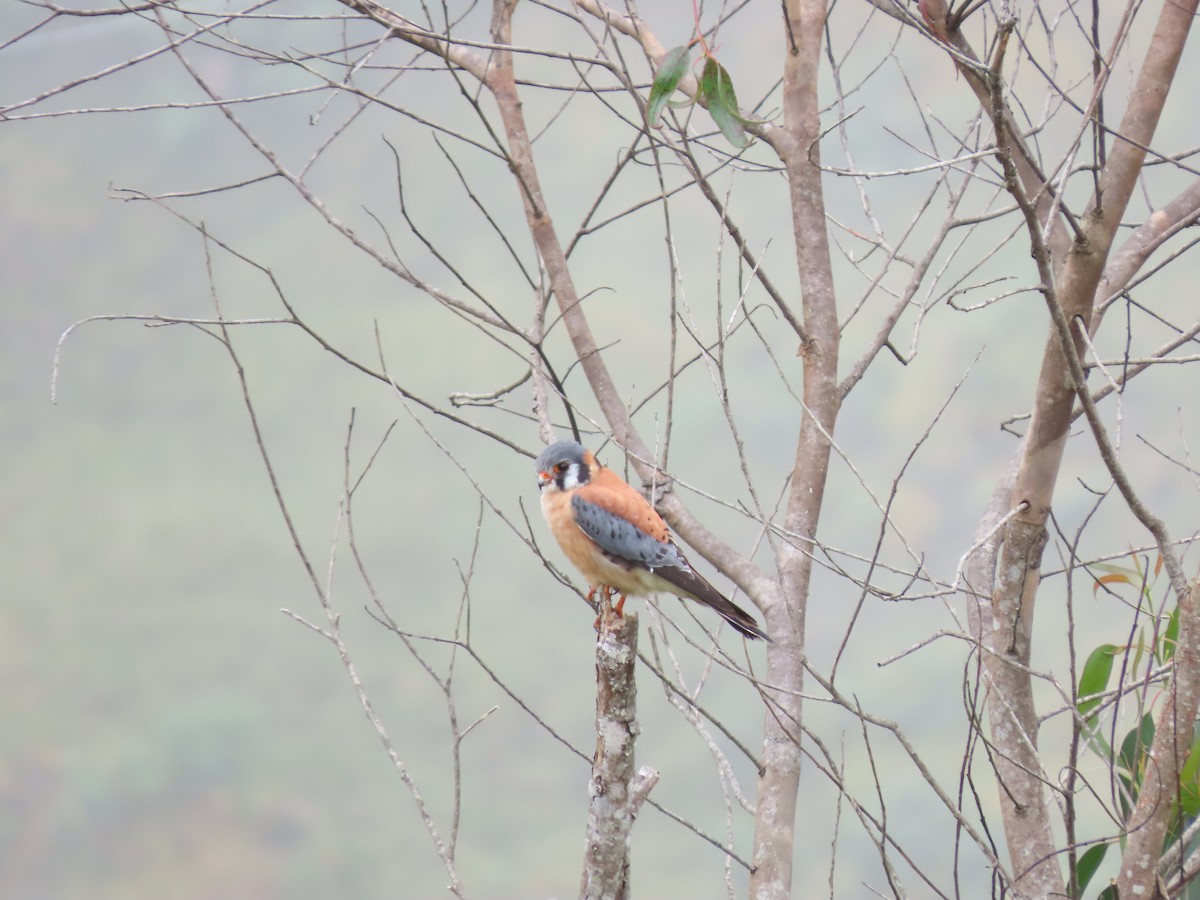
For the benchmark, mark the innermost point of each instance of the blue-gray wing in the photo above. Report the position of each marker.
(622, 540)
(627, 544)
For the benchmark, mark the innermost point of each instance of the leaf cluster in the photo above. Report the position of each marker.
(714, 91)
(1152, 652)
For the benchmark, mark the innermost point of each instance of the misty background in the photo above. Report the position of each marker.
(168, 732)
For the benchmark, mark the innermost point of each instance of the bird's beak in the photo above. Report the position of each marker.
(544, 478)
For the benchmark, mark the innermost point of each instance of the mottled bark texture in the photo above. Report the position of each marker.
(797, 144)
(611, 806)
(1074, 288)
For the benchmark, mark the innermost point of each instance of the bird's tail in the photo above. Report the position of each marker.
(693, 584)
(738, 618)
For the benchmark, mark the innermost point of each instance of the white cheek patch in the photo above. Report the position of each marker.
(570, 478)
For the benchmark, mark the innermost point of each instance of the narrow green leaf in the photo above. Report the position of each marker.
(1192, 765)
(1127, 796)
(1094, 677)
(1189, 786)
(1121, 570)
(1139, 650)
(671, 69)
(1174, 830)
(1089, 863)
(1170, 637)
(1095, 740)
(717, 88)
(1189, 802)
(1133, 751)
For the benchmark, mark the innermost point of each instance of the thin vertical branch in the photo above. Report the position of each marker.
(775, 824)
(611, 808)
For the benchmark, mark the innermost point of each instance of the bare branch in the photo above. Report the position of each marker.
(611, 811)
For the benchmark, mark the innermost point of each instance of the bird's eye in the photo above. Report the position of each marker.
(561, 467)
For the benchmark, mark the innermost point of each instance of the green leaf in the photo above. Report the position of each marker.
(1134, 748)
(1192, 765)
(1119, 570)
(1127, 796)
(671, 69)
(1139, 650)
(1189, 786)
(717, 88)
(1087, 865)
(1095, 740)
(1094, 678)
(1132, 758)
(1170, 637)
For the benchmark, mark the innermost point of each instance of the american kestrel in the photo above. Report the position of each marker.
(615, 538)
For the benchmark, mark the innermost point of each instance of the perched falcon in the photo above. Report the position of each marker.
(616, 539)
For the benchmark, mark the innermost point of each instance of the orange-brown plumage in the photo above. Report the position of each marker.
(578, 547)
(609, 491)
(615, 537)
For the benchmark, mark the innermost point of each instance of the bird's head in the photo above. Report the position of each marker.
(564, 466)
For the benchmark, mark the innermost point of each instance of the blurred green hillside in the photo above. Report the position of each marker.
(169, 733)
